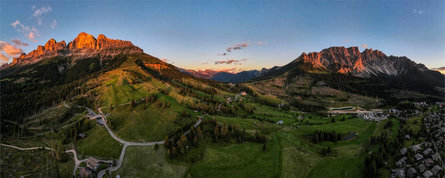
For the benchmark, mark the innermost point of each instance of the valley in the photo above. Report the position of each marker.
(104, 108)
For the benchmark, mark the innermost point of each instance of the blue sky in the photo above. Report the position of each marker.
(195, 34)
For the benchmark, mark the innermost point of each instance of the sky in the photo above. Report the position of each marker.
(232, 35)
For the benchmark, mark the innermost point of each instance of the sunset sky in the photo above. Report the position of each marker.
(196, 34)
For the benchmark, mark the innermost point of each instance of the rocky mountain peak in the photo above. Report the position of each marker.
(84, 45)
(83, 41)
(365, 64)
(370, 54)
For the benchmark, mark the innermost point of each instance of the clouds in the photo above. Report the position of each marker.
(230, 70)
(237, 46)
(7, 51)
(231, 61)
(213, 70)
(17, 42)
(54, 24)
(14, 24)
(3, 58)
(365, 46)
(418, 11)
(166, 60)
(39, 13)
(30, 32)
(261, 43)
(10, 49)
(240, 46)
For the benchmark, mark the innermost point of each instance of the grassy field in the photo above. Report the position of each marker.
(33, 163)
(299, 156)
(414, 123)
(148, 162)
(98, 143)
(239, 160)
(298, 162)
(338, 167)
(120, 86)
(149, 122)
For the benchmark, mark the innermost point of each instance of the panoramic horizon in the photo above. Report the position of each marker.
(221, 89)
(197, 35)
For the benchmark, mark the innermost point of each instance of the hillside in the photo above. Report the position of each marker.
(90, 72)
(223, 76)
(345, 73)
(139, 116)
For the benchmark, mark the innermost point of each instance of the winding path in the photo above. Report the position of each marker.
(127, 143)
(77, 162)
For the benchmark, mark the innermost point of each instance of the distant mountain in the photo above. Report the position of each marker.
(205, 74)
(366, 64)
(440, 69)
(237, 77)
(83, 46)
(86, 72)
(369, 73)
(223, 76)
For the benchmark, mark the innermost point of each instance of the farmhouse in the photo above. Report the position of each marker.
(428, 174)
(427, 151)
(418, 157)
(403, 151)
(436, 169)
(85, 172)
(92, 163)
(411, 172)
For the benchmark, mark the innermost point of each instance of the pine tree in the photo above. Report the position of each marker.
(156, 147)
(264, 146)
(195, 140)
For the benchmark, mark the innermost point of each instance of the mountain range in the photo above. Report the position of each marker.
(440, 69)
(83, 46)
(350, 61)
(223, 76)
(359, 72)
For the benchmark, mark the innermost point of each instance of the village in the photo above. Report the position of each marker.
(424, 159)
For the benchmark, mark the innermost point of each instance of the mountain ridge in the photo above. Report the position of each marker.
(362, 64)
(224, 76)
(84, 45)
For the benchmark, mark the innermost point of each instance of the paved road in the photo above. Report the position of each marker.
(76, 161)
(73, 151)
(127, 143)
(124, 148)
(25, 149)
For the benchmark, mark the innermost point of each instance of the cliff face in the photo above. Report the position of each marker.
(365, 64)
(84, 45)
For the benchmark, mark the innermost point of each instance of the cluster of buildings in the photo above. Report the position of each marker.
(92, 167)
(373, 115)
(421, 104)
(427, 158)
(237, 96)
(92, 115)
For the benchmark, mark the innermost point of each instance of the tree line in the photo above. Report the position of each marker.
(320, 136)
